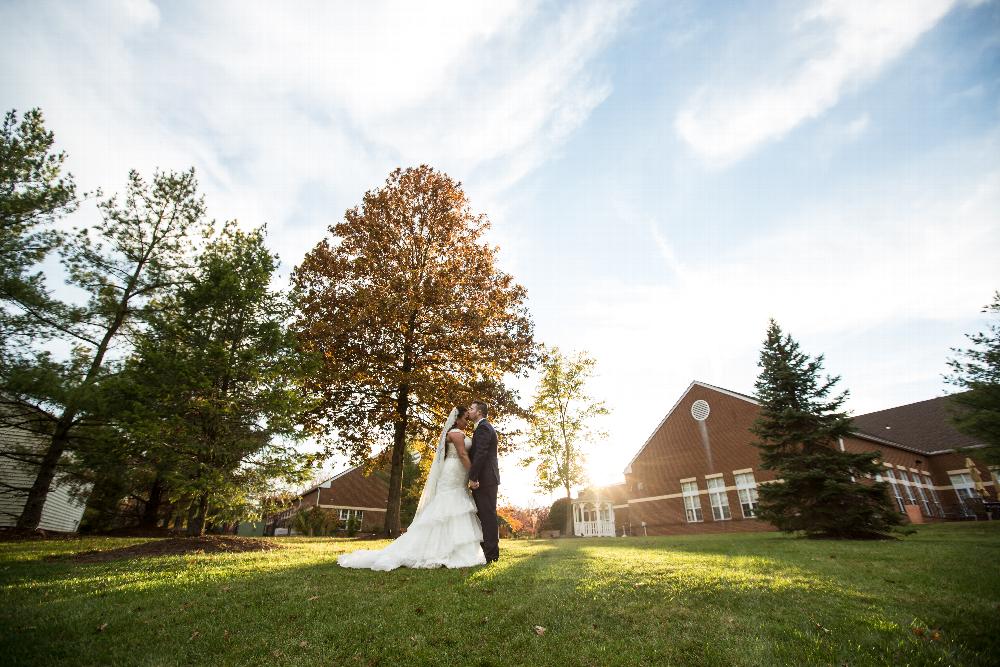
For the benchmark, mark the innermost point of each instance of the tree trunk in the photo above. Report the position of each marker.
(392, 526)
(31, 515)
(569, 513)
(197, 527)
(151, 513)
(191, 514)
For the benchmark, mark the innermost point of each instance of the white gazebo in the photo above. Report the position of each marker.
(593, 516)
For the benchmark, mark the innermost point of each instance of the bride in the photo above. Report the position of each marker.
(445, 530)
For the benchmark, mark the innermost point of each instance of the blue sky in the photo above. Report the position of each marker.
(662, 177)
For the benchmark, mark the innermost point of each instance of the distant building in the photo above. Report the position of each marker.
(20, 449)
(601, 511)
(350, 494)
(699, 471)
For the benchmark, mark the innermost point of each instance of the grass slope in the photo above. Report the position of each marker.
(751, 599)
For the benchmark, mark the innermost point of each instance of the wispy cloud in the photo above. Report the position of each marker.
(287, 113)
(726, 120)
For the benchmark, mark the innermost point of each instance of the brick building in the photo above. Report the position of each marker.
(351, 494)
(699, 472)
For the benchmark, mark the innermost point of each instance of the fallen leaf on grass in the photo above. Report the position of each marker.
(303, 643)
(315, 597)
(194, 635)
(539, 630)
(102, 627)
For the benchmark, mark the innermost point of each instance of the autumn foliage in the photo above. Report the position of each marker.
(405, 305)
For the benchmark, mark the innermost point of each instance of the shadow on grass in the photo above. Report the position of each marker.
(761, 599)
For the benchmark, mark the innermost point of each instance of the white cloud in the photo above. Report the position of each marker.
(290, 115)
(725, 121)
(857, 126)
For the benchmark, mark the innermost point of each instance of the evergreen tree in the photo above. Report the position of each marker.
(141, 245)
(34, 193)
(215, 383)
(977, 369)
(820, 491)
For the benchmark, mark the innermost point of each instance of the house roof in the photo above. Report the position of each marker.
(924, 426)
(326, 482)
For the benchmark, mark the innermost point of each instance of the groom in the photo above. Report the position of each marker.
(484, 477)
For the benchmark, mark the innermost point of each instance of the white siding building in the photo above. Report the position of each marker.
(61, 512)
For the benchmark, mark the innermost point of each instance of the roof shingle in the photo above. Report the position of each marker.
(924, 426)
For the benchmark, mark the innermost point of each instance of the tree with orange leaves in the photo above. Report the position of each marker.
(411, 316)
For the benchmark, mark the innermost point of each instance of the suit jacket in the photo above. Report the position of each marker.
(483, 455)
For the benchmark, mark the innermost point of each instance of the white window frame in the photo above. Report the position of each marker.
(692, 502)
(929, 483)
(719, 499)
(746, 489)
(905, 480)
(920, 491)
(346, 515)
(895, 490)
(962, 481)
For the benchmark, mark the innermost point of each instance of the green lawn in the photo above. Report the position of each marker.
(753, 599)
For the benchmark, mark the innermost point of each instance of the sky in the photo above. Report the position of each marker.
(663, 178)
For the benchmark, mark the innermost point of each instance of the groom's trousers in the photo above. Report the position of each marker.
(486, 506)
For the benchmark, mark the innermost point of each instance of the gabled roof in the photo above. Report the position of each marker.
(924, 427)
(326, 483)
(742, 397)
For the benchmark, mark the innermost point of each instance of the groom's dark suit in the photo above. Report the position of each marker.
(486, 471)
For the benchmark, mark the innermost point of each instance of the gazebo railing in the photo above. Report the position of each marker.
(595, 528)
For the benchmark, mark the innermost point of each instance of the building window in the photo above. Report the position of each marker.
(720, 501)
(895, 490)
(346, 515)
(965, 489)
(929, 483)
(905, 483)
(746, 488)
(692, 502)
(924, 502)
(964, 486)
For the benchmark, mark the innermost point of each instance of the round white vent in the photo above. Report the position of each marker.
(699, 410)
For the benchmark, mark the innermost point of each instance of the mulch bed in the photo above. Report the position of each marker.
(174, 546)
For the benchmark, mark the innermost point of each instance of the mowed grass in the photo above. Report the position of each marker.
(743, 599)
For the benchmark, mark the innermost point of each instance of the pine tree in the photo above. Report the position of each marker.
(977, 369)
(820, 491)
(215, 378)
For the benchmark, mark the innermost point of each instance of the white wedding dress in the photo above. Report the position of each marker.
(445, 532)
